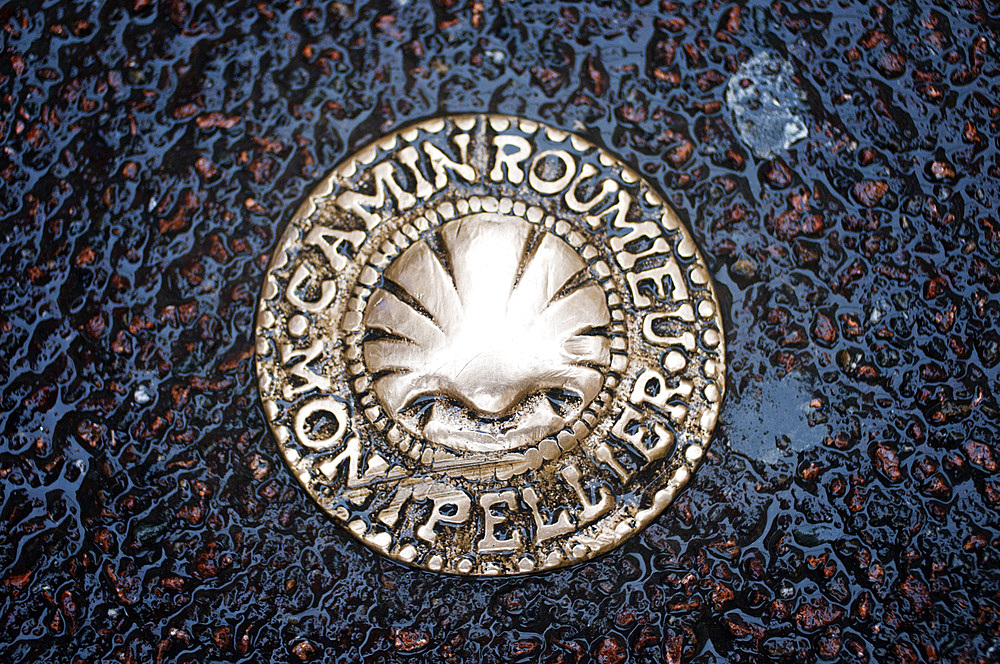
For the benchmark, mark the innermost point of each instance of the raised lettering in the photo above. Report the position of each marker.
(409, 157)
(377, 471)
(390, 515)
(627, 259)
(641, 392)
(636, 230)
(329, 241)
(327, 405)
(551, 186)
(590, 510)
(546, 531)
(664, 437)
(383, 178)
(604, 454)
(328, 290)
(620, 221)
(443, 495)
(490, 543)
(440, 161)
(522, 150)
(685, 339)
(619, 209)
(655, 275)
(313, 381)
(678, 413)
(661, 394)
(588, 171)
(351, 455)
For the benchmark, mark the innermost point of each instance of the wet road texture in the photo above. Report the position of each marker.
(848, 508)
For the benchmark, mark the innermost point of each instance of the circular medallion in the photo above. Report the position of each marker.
(487, 346)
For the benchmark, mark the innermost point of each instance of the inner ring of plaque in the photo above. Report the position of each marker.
(490, 333)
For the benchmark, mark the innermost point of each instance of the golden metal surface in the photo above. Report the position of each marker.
(486, 346)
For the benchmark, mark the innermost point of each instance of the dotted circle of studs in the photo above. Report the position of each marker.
(548, 448)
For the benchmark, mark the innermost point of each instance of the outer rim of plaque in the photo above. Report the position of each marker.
(670, 489)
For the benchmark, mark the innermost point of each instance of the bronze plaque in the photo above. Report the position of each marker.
(487, 346)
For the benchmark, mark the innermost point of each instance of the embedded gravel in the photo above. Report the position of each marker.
(848, 508)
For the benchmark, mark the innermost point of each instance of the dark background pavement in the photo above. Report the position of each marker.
(848, 510)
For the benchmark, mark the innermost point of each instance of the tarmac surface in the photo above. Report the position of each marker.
(838, 163)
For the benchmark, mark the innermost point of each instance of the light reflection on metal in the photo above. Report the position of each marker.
(489, 347)
(505, 346)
